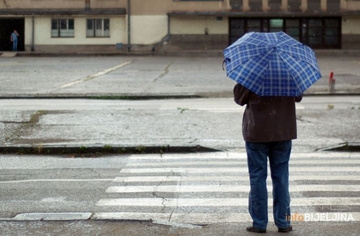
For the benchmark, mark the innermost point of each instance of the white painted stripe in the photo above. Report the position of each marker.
(240, 162)
(178, 188)
(332, 188)
(200, 218)
(63, 216)
(95, 75)
(182, 170)
(195, 156)
(188, 163)
(236, 169)
(233, 155)
(225, 188)
(220, 202)
(227, 178)
(54, 180)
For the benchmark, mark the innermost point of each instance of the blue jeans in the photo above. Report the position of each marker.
(279, 155)
(15, 46)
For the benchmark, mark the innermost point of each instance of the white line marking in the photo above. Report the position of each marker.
(53, 180)
(236, 169)
(232, 155)
(194, 218)
(220, 162)
(227, 178)
(95, 75)
(221, 202)
(225, 188)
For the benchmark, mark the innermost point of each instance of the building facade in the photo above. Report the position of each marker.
(172, 25)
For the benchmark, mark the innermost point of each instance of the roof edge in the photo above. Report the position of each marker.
(65, 12)
(261, 13)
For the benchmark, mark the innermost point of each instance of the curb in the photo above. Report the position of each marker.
(97, 151)
(53, 216)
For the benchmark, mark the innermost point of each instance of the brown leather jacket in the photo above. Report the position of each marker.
(267, 119)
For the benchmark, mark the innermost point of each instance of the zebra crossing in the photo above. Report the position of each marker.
(205, 188)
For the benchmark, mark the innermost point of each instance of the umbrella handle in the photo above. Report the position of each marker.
(223, 64)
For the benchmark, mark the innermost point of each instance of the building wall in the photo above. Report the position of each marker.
(43, 39)
(148, 29)
(150, 21)
(108, 3)
(162, 7)
(351, 32)
(201, 25)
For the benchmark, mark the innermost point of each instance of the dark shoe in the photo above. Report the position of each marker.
(284, 230)
(255, 230)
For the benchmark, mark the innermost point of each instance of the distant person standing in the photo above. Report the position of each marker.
(14, 39)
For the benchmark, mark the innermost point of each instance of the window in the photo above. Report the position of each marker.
(293, 28)
(237, 29)
(319, 32)
(315, 32)
(198, 0)
(62, 28)
(254, 25)
(98, 28)
(276, 25)
(331, 32)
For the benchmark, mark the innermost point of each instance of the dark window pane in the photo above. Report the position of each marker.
(294, 5)
(314, 5)
(237, 32)
(333, 5)
(331, 32)
(294, 32)
(237, 23)
(313, 32)
(255, 5)
(71, 23)
(331, 41)
(89, 23)
(332, 22)
(254, 25)
(292, 23)
(313, 23)
(63, 24)
(106, 24)
(275, 5)
(236, 4)
(54, 24)
(314, 41)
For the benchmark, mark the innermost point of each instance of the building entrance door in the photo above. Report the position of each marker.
(7, 26)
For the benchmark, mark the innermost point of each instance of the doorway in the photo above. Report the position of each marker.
(7, 26)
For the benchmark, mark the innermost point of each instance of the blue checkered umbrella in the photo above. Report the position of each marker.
(271, 64)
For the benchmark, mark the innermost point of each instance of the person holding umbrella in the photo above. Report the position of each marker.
(272, 70)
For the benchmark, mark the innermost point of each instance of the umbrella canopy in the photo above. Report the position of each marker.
(271, 64)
